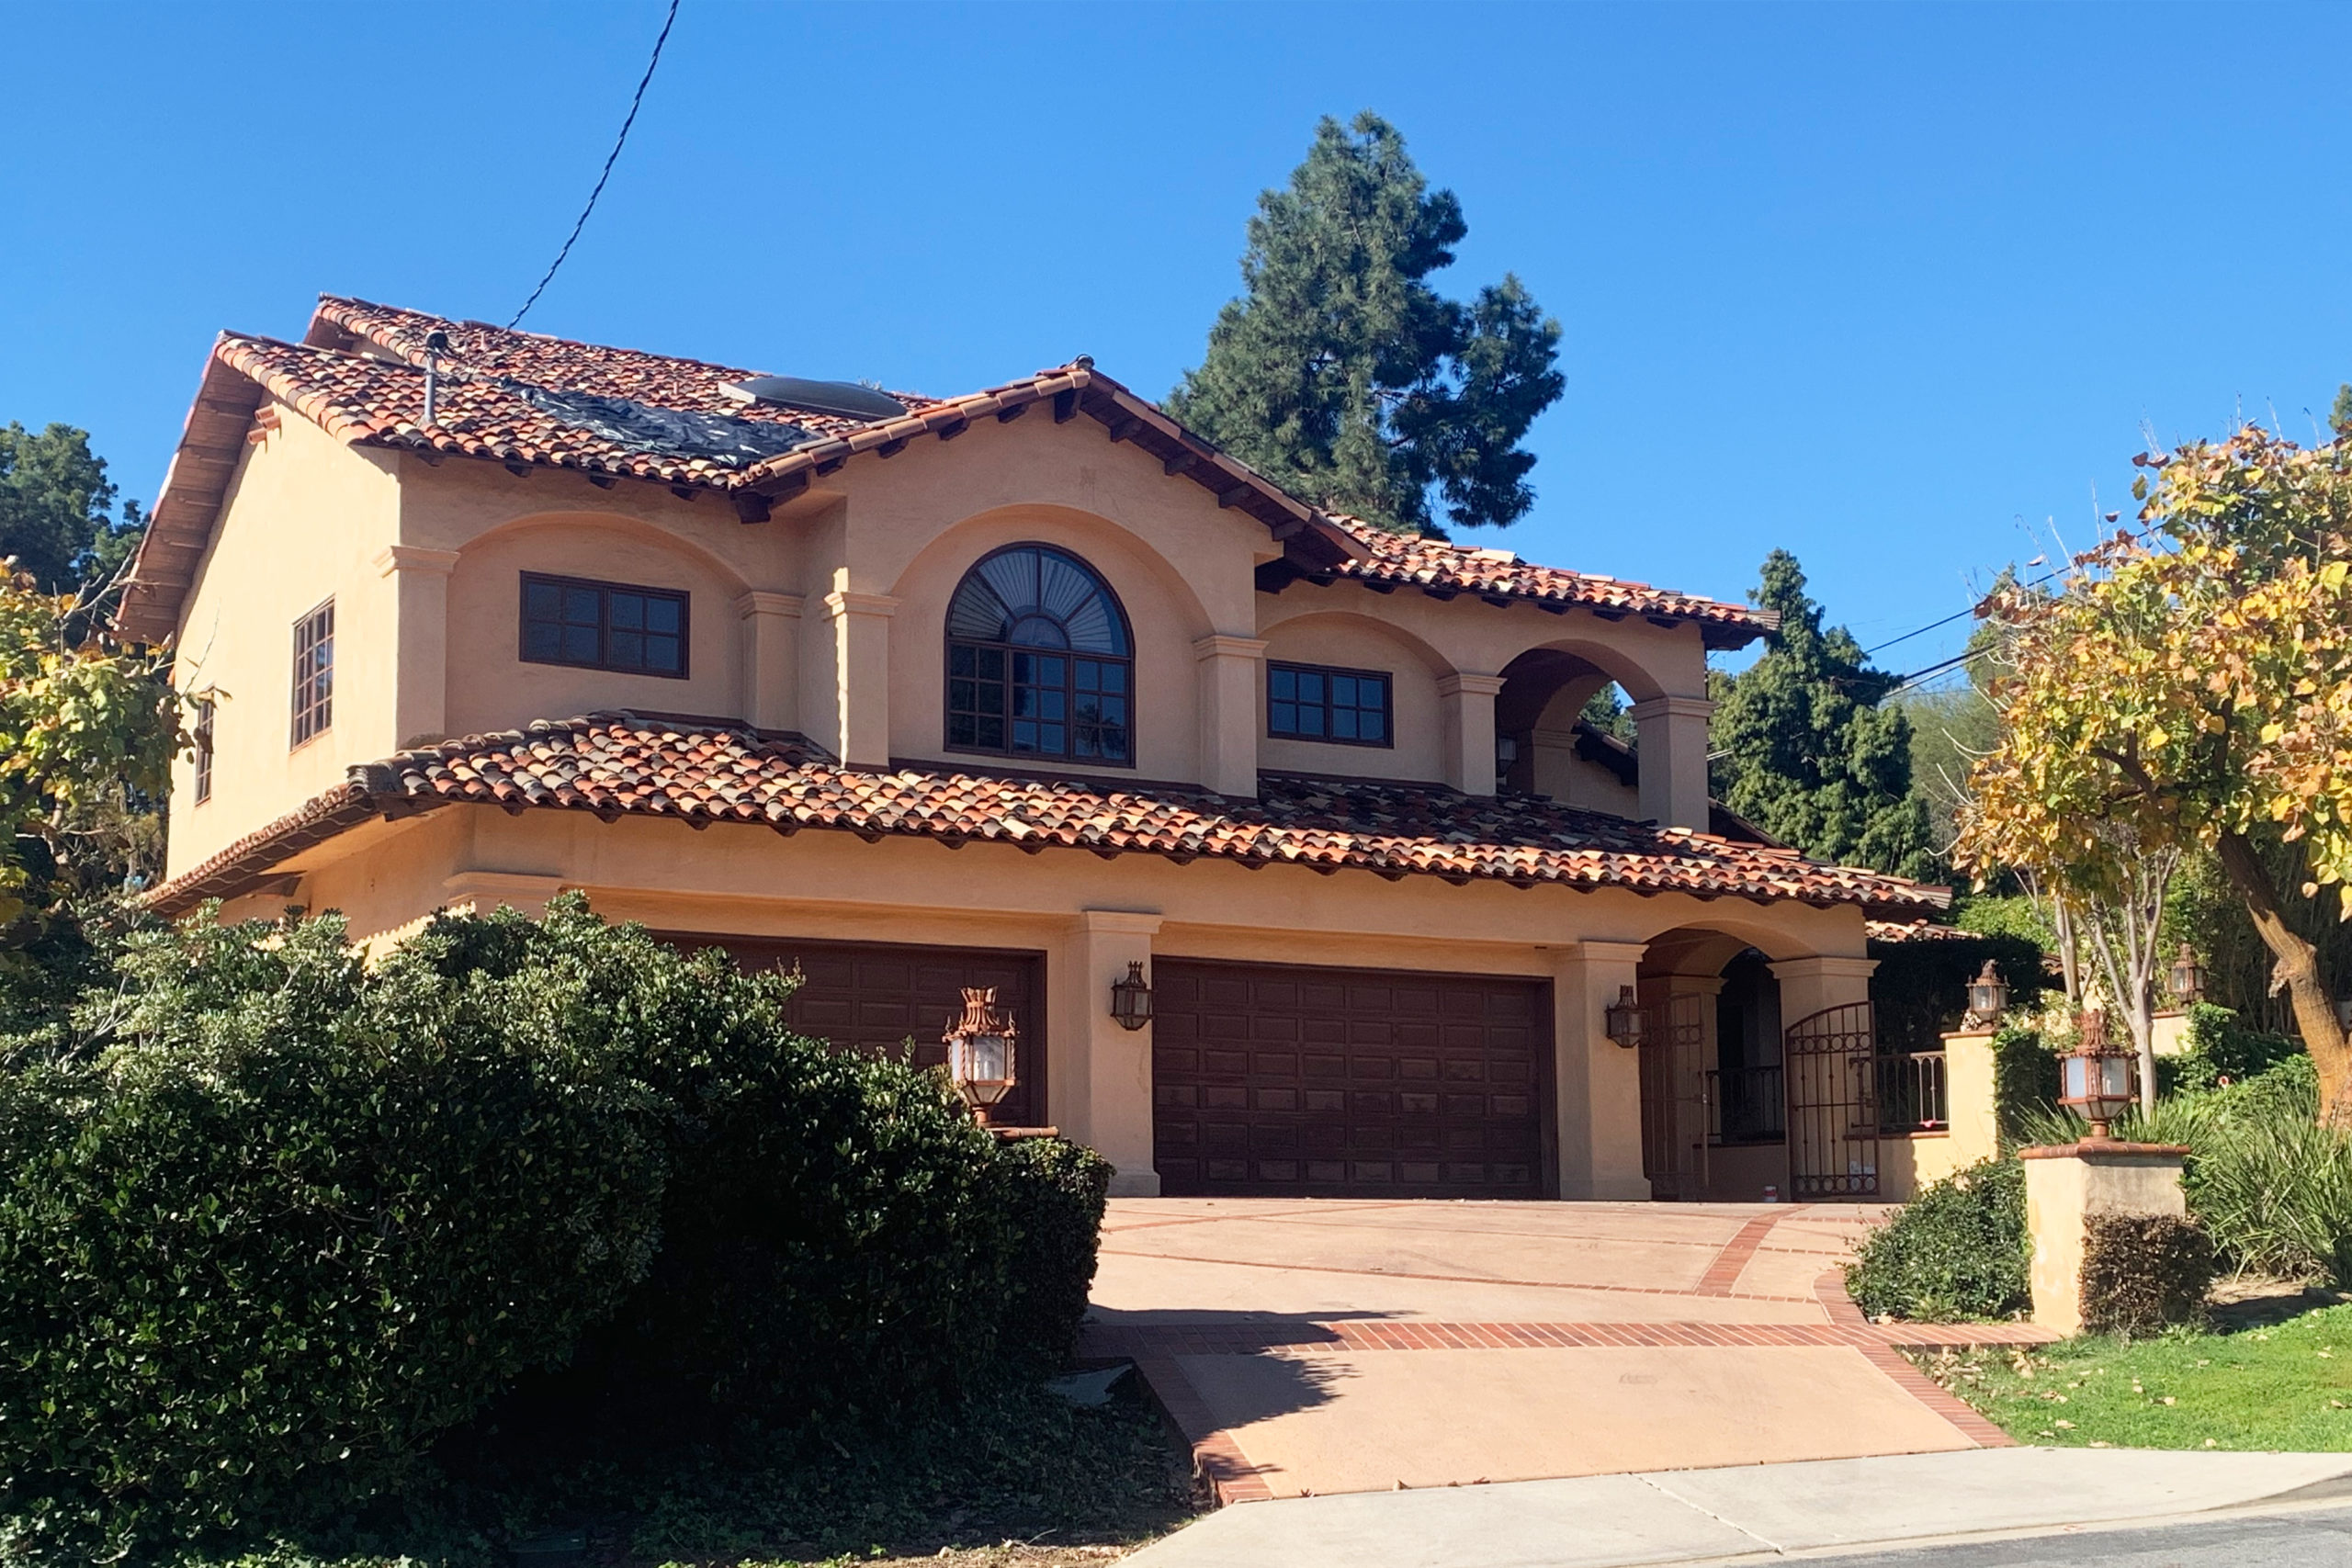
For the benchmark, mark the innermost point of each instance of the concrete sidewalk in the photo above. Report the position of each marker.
(1661, 1517)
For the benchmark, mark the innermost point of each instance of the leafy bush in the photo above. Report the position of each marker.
(1958, 1250)
(2143, 1272)
(275, 1221)
(282, 1220)
(2222, 1052)
(1920, 988)
(2024, 1082)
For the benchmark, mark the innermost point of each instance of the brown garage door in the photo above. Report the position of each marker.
(1273, 1081)
(873, 997)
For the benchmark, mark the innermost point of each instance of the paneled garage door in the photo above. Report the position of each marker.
(872, 996)
(1272, 1082)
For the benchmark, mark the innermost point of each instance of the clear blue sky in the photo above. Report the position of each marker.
(1890, 286)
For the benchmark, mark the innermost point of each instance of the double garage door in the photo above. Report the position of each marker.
(1279, 1081)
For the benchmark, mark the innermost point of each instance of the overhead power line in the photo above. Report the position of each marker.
(2049, 576)
(610, 158)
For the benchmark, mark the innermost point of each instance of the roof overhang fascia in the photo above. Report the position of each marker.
(180, 530)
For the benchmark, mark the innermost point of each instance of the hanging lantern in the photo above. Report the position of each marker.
(1131, 997)
(2096, 1079)
(1988, 997)
(1626, 1020)
(2188, 980)
(980, 1049)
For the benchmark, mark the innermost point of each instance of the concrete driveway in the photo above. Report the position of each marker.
(1317, 1347)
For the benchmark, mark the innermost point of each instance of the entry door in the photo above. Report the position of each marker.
(875, 998)
(1674, 1109)
(1833, 1103)
(1272, 1080)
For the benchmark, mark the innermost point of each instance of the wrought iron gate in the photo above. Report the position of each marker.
(1832, 1071)
(1673, 1108)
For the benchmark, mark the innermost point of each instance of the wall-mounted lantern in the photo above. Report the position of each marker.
(2344, 1014)
(1988, 998)
(980, 1042)
(2186, 981)
(2095, 1079)
(1131, 997)
(1626, 1020)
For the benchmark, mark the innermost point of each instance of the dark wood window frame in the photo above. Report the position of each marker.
(1327, 703)
(313, 696)
(200, 734)
(606, 631)
(1060, 680)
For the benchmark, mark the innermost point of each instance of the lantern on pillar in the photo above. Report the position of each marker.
(1626, 1020)
(1988, 997)
(2095, 1077)
(2186, 981)
(980, 1041)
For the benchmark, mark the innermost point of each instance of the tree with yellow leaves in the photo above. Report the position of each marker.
(2192, 682)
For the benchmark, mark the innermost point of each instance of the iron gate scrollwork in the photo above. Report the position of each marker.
(1832, 1071)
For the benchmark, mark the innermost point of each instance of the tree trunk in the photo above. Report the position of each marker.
(2298, 969)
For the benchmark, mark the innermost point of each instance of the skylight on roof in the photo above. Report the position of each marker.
(846, 400)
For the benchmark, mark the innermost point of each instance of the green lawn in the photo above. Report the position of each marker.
(2286, 1386)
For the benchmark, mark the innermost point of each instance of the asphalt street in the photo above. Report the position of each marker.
(2320, 1538)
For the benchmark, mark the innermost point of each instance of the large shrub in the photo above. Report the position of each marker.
(276, 1220)
(1958, 1250)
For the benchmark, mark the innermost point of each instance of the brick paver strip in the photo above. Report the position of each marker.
(1451, 1278)
(1723, 1272)
(1347, 1336)
(1216, 1455)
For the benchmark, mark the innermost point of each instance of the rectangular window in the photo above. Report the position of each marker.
(315, 672)
(202, 732)
(604, 626)
(1309, 702)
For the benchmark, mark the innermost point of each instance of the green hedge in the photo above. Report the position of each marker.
(1958, 1250)
(275, 1222)
(2142, 1273)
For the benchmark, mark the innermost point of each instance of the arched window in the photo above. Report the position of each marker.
(1039, 663)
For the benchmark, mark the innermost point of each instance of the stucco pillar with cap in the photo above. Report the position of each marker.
(860, 729)
(1597, 1083)
(1232, 669)
(769, 648)
(1098, 1088)
(421, 641)
(1466, 712)
(1673, 751)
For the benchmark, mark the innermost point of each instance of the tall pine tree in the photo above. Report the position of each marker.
(1342, 375)
(1807, 751)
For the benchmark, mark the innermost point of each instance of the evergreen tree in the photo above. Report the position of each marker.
(1342, 375)
(2340, 415)
(1808, 753)
(56, 506)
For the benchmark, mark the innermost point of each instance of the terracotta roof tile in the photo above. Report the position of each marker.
(619, 764)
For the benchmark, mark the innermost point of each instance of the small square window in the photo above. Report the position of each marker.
(604, 626)
(1305, 702)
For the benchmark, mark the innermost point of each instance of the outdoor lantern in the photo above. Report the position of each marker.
(2343, 1013)
(1627, 1020)
(2095, 1079)
(979, 1049)
(1131, 997)
(2187, 977)
(1989, 996)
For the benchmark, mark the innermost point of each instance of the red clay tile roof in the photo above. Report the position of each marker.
(624, 765)
(1500, 573)
(359, 374)
(1916, 930)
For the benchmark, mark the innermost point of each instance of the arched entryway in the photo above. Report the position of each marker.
(1714, 1118)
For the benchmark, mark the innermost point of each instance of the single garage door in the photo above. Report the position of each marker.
(1273, 1081)
(875, 997)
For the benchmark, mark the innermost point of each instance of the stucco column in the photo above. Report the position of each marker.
(769, 647)
(420, 674)
(1231, 671)
(1673, 750)
(1466, 710)
(1099, 1087)
(1809, 985)
(1597, 1082)
(1971, 1108)
(860, 731)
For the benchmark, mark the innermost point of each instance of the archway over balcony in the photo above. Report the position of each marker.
(1541, 748)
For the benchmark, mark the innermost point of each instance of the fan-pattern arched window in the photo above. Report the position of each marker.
(1039, 663)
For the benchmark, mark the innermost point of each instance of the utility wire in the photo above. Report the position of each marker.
(618, 142)
(2051, 575)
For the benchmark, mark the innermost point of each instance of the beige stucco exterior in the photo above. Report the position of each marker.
(827, 620)
(2069, 1185)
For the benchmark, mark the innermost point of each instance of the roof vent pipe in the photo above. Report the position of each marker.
(436, 343)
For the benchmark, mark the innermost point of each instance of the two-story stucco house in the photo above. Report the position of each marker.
(1013, 689)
